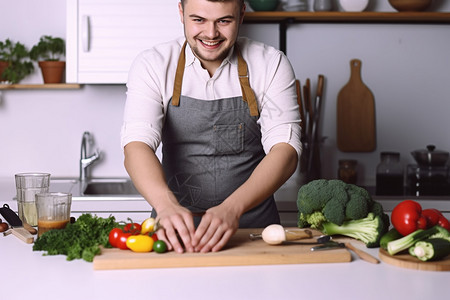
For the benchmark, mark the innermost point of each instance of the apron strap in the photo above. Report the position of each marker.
(247, 93)
(179, 76)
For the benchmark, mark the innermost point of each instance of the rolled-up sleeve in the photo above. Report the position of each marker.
(144, 108)
(279, 116)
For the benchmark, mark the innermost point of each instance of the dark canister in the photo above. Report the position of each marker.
(389, 178)
(347, 170)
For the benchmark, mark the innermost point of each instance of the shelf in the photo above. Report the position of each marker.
(48, 86)
(284, 18)
(348, 17)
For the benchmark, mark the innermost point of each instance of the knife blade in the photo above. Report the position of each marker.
(13, 219)
(328, 245)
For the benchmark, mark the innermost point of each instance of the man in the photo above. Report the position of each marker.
(218, 104)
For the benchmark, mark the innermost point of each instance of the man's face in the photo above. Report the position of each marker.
(211, 28)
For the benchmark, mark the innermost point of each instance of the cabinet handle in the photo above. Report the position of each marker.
(86, 33)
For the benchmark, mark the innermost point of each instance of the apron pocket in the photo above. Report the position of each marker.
(229, 139)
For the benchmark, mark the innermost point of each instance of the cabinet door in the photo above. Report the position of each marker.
(104, 36)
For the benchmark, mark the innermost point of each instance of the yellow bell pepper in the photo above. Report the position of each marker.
(140, 243)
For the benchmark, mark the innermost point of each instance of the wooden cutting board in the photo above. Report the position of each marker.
(240, 251)
(356, 114)
(410, 262)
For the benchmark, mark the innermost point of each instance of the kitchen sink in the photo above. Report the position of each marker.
(96, 188)
(116, 187)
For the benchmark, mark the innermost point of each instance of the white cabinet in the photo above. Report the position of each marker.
(104, 36)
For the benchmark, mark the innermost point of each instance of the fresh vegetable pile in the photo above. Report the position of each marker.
(137, 237)
(79, 240)
(83, 238)
(335, 207)
(423, 233)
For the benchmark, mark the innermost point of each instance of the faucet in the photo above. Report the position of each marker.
(86, 161)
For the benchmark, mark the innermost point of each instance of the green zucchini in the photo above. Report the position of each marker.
(431, 249)
(391, 235)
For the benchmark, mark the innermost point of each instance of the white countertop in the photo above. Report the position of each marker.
(29, 275)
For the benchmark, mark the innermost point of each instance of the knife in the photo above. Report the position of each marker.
(361, 254)
(319, 240)
(14, 220)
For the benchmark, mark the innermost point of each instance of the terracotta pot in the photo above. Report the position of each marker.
(410, 5)
(52, 71)
(3, 66)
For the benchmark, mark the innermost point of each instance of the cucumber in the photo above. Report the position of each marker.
(391, 235)
(431, 249)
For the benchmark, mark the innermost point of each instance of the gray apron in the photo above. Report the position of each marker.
(210, 148)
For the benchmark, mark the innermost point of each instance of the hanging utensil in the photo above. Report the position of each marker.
(315, 165)
(301, 106)
(356, 129)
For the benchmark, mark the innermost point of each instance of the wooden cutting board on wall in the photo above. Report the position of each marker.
(356, 114)
(240, 251)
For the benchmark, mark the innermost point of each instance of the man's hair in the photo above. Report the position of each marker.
(241, 2)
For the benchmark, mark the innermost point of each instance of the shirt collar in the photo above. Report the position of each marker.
(191, 58)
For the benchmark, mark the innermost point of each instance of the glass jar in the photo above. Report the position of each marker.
(323, 5)
(347, 170)
(390, 177)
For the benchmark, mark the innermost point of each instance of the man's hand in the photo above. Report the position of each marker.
(177, 224)
(217, 226)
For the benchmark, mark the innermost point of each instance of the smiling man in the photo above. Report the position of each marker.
(225, 110)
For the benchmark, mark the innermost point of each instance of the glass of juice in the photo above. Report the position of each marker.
(53, 211)
(28, 185)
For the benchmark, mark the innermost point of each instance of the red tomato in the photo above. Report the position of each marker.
(133, 228)
(407, 217)
(443, 222)
(154, 237)
(435, 217)
(118, 238)
(432, 215)
(114, 236)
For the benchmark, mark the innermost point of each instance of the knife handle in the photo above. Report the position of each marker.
(362, 254)
(29, 228)
(297, 234)
(23, 235)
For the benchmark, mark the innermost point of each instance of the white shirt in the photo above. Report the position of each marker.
(151, 80)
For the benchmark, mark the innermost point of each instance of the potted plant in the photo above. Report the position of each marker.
(14, 65)
(48, 53)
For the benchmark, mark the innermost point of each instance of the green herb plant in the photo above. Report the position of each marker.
(16, 55)
(48, 49)
(79, 240)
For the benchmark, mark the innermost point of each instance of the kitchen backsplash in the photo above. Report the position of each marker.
(406, 67)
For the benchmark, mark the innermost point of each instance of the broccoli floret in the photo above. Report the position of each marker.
(326, 196)
(313, 196)
(313, 220)
(334, 211)
(332, 204)
(369, 230)
(377, 209)
(359, 202)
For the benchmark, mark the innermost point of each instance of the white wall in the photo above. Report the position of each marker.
(405, 66)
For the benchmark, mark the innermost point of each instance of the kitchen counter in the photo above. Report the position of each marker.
(30, 275)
